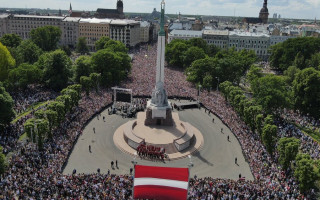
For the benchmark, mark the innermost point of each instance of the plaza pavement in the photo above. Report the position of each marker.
(215, 159)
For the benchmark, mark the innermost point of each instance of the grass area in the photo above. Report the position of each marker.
(22, 137)
(311, 133)
(29, 110)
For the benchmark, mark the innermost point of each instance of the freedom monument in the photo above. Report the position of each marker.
(159, 126)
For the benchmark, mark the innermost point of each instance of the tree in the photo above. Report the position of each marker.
(6, 107)
(254, 73)
(268, 120)
(39, 114)
(175, 53)
(306, 92)
(305, 172)
(74, 97)
(290, 74)
(66, 49)
(82, 47)
(270, 92)
(11, 40)
(3, 162)
(282, 54)
(83, 67)
(56, 69)
(192, 54)
(200, 43)
(250, 114)
(116, 46)
(269, 137)
(259, 123)
(42, 128)
(28, 52)
(113, 66)
(95, 79)
(99, 44)
(86, 83)
(314, 61)
(6, 62)
(52, 117)
(207, 81)
(66, 100)
(213, 50)
(46, 37)
(24, 75)
(58, 107)
(77, 88)
(288, 149)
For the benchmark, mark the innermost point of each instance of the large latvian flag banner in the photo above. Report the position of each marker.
(160, 183)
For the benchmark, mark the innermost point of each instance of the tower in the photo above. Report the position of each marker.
(264, 12)
(120, 6)
(159, 108)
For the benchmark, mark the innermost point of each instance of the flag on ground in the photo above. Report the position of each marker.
(160, 183)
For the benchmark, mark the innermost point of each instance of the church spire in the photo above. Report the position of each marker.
(162, 33)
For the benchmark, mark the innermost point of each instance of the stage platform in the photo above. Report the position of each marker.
(186, 105)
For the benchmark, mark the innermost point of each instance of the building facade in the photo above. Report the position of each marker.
(184, 35)
(93, 29)
(144, 31)
(23, 24)
(3, 24)
(219, 38)
(126, 31)
(259, 43)
(70, 31)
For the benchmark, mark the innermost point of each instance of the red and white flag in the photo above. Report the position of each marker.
(160, 183)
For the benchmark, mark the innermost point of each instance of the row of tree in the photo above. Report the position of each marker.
(31, 64)
(297, 89)
(301, 52)
(207, 65)
(305, 169)
(45, 120)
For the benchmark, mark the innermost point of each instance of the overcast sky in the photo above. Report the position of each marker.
(307, 9)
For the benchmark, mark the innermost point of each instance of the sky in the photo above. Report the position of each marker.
(302, 9)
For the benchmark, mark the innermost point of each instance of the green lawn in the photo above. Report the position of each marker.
(315, 135)
(29, 110)
(22, 137)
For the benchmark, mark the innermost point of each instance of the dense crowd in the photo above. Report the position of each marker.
(38, 174)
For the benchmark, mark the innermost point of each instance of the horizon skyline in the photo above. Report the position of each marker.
(304, 9)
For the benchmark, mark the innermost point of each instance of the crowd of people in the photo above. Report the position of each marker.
(34, 174)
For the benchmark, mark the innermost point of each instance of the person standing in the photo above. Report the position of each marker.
(116, 163)
(90, 148)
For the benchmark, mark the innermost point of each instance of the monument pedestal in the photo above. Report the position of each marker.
(158, 115)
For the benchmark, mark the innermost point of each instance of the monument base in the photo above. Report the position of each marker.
(161, 116)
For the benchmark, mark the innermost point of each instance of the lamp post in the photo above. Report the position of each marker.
(199, 88)
(134, 162)
(218, 84)
(190, 165)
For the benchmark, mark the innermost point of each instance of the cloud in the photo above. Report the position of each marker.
(249, 8)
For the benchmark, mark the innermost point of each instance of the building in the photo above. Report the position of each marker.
(258, 42)
(111, 13)
(144, 31)
(126, 31)
(23, 24)
(264, 12)
(184, 35)
(70, 31)
(274, 39)
(93, 29)
(263, 16)
(3, 24)
(219, 38)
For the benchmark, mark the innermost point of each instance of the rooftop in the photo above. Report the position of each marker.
(186, 32)
(216, 32)
(40, 16)
(247, 34)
